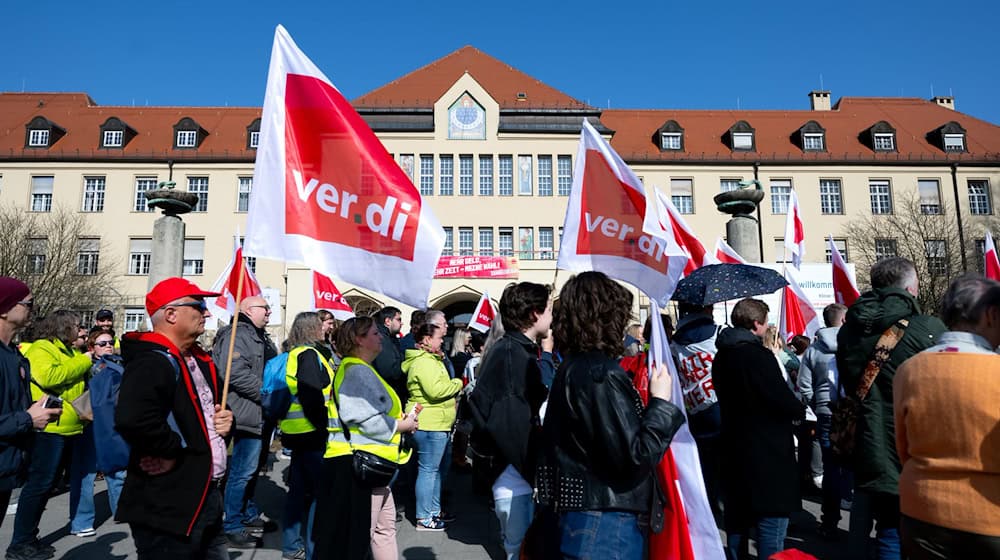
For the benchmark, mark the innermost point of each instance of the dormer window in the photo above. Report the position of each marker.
(253, 135)
(42, 133)
(884, 142)
(741, 137)
(188, 134)
(812, 137)
(669, 137)
(881, 137)
(954, 142)
(949, 137)
(115, 133)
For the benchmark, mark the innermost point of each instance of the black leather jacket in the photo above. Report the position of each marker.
(602, 445)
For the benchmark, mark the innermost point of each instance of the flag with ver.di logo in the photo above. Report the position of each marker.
(327, 296)
(328, 195)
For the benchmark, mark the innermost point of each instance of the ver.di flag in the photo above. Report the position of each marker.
(797, 316)
(228, 282)
(666, 223)
(845, 289)
(328, 195)
(327, 296)
(726, 254)
(795, 237)
(484, 314)
(992, 262)
(603, 227)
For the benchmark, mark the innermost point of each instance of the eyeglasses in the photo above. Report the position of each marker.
(29, 304)
(200, 305)
(104, 343)
(266, 308)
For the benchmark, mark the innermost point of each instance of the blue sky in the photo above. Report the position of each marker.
(765, 54)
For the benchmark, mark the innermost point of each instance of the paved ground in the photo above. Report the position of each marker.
(472, 536)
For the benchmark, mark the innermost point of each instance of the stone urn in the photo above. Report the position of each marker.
(172, 201)
(739, 202)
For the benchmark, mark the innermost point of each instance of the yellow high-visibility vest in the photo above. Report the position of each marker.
(295, 421)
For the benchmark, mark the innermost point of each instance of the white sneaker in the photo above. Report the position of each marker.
(818, 481)
(85, 532)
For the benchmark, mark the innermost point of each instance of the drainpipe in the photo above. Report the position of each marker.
(760, 227)
(958, 216)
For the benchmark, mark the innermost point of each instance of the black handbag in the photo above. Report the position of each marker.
(370, 470)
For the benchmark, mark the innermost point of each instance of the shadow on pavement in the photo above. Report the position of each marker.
(98, 548)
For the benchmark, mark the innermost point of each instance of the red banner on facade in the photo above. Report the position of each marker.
(477, 267)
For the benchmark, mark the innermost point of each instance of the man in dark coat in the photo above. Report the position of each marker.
(876, 464)
(758, 409)
(389, 362)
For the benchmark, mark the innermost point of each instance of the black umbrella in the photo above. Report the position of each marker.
(722, 282)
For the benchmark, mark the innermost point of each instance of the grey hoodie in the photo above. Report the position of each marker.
(814, 372)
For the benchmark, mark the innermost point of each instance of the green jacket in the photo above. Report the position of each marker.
(61, 372)
(429, 385)
(876, 463)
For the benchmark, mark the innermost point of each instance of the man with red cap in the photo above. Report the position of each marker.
(169, 413)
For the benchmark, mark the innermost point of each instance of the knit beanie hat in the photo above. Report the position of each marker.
(12, 291)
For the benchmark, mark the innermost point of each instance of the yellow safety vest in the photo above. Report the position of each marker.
(336, 443)
(295, 421)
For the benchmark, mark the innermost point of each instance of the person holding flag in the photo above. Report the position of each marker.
(601, 445)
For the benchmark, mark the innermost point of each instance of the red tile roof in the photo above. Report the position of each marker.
(424, 86)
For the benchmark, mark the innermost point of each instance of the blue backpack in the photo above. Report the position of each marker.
(275, 396)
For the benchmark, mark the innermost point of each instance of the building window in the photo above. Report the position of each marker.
(841, 246)
(41, 193)
(526, 242)
(781, 254)
(36, 250)
(449, 240)
(486, 175)
(465, 175)
(143, 184)
(505, 243)
(565, 170)
(254, 139)
(506, 176)
(87, 256)
(447, 176)
(884, 142)
(881, 196)
(113, 138)
(670, 141)
(93, 194)
(243, 194)
(426, 175)
(742, 140)
(937, 256)
(135, 319)
(812, 142)
(524, 177)
(199, 186)
(139, 255)
(726, 185)
(830, 197)
(781, 193)
(682, 196)
(546, 238)
(251, 261)
(465, 241)
(194, 257)
(954, 142)
(486, 241)
(979, 197)
(187, 138)
(544, 175)
(885, 248)
(38, 138)
(930, 196)
(981, 255)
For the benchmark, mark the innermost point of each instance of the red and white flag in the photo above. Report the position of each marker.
(327, 296)
(795, 238)
(603, 229)
(845, 288)
(227, 282)
(726, 254)
(328, 195)
(483, 316)
(992, 262)
(798, 316)
(667, 223)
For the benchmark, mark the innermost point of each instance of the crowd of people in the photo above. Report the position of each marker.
(543, 410)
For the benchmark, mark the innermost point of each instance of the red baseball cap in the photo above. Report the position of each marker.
(171, 289)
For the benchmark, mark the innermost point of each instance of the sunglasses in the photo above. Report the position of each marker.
(28, 304)
(104, 343)
(266, 308)
(200, 305)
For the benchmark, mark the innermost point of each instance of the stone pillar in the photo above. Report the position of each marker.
(741, 230)
(167, 257)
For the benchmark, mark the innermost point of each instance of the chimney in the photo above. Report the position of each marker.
(946, 101)
(820, 100)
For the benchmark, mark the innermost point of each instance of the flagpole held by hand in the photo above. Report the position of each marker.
(232, 332)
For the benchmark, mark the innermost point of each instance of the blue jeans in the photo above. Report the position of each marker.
(515, 516)
(304, 475)
(83, 471)
(883, 510)
(115, 482)
(432, 466)
(238, 505)
(771, 532)
(45, 458)
(601, 535)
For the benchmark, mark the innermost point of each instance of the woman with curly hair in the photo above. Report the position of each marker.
(602, 444)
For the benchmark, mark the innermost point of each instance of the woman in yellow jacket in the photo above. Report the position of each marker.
(429, 385)
(57, 370)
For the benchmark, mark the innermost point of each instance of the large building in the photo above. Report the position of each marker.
(492, 151)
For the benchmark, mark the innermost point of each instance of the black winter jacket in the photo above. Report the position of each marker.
(389, 363)
(251, 350)
(601, 445)
(505, 403)
(16, 429)
(151, 389)
(312, 379)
